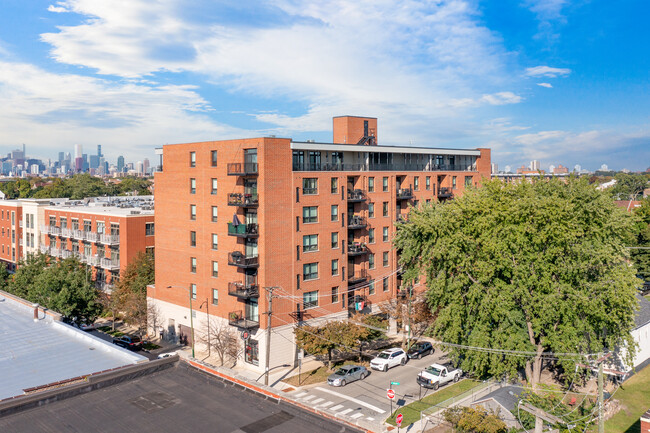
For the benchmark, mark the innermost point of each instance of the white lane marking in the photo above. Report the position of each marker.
(318, 400)
(309, 398)
(354, 400)
(337, 407)
(327, 403)
(356, 415)
(301, 394)
(370, 419)
(343, 412)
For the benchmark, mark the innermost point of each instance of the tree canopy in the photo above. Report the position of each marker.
(130, 294)
(535, 267)
(641, 254)
(629, 186)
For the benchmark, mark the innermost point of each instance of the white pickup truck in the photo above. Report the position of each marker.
(435, 375)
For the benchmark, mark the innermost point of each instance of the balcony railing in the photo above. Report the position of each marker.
(243, 200)
(243, 291)
(78, 234)
(109, 239)
(242, 169)
(445, 192)
(91, 236)
(404, 194)
(356, 222)
(66, 233)
(357, 277)
(238, 259)
(357, 249)
(110, 264)
(243, 321)
(243, 230)
(381, 167)
(356, 196)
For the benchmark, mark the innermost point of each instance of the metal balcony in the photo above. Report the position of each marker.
(405, 194)
(356, 222)
(445, 192)
(243, 291)
(238, 259)
(109, 264)
(357, 249)
(243, 230)
(358, 277)
(242, 169)
(78, 234)
(66, 233)
(109, 239)
(243, 200)
(356, 196)
(242, 321)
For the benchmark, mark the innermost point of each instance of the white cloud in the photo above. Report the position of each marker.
(547, 85)
(57, 9)
(546, 9)
(547, 71)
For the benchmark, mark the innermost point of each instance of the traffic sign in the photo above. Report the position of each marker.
(390, 394)
(394, 383)
(399, 419)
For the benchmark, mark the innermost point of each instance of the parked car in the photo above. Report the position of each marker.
(166, 355)
(347, 374)
(388, 359)
(436, 374)
(128, 342)
(420, 349)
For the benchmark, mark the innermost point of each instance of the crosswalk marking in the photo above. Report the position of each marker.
(327, 403)
(318, 400)
(301, 394)
(309, 397)
(337, 407)
(370, 419)
(356, 415)
(354, 400)
(343, 412)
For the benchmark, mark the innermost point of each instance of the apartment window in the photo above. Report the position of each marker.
(309, 243)
(371, 236)
(335, 267)
(192, 213)
(384, 209)
(385, 284)
(310, 186)
(371, 287)
(371, 184)
(309, 214)
(64, 221)
(193, 290)
(215, 214)
(385, 258)
(192, 186)
(149, 229)
(52, 221)
(193, 265)
(335, 212)
(87, 225)
(215, 241)
(384, 184)
(385, 234)
(215, 297)
(192, 159)
(427, 182)
(371, 260)
(213, 158)
(192, 238)
(115, 229)
(335, 240)
(371, 210)
(73, 221)
(310, 299)
(215, 269)
(453, 182)
(309, 271)
(147, 250)
(468, 181)
(334, 187)
(335, 294)
(416, 183)
(213, 191)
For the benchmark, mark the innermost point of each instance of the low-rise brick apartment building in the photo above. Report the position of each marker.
(313, 220)
(105, 233)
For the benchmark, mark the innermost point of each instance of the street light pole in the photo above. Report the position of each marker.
(207, 310)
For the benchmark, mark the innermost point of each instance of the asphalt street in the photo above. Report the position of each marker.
(366, 399)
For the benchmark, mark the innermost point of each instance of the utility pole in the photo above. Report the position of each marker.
(269, 313)
(601, 400)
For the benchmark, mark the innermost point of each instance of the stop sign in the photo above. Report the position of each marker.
(399, 419)
(390, 394)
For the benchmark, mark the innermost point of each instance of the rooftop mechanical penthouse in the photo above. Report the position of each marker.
(313, 220)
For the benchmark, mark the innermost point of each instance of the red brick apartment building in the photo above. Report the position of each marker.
(314, 220)
(103, 232)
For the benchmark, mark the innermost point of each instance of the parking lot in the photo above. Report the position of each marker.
(366, 399)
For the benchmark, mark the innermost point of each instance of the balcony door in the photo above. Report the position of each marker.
(252, 311)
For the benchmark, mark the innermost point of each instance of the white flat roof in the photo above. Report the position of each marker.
(334, 147)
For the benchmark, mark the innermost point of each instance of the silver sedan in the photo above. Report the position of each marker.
(347, 374)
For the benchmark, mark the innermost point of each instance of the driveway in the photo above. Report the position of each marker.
(366, 399)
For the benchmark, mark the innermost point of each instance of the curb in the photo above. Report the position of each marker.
(268, 394)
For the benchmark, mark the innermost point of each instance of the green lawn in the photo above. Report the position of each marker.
(634, 396)
(411, 412)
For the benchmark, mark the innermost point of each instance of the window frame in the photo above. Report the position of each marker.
(334, 244)
(193, 212)
(313, 299)
(215, 299)
(192, 159)
(308, 245)
(310, 217)
(213, 158)
(149, 229)
(334, 212)
(215, 214)
(309, 186)
(215, 269)
(311, 275)
(192, 185)
(214, 186)
(335, 269)
(384, 234)
(215, 245)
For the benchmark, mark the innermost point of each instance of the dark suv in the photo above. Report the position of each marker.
(420, 349)
(128, 342)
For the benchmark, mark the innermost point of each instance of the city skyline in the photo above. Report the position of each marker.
(521, 79)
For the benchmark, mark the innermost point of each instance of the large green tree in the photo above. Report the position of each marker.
(532, 267)
(641, 254)
(130, 294)
(629, 186)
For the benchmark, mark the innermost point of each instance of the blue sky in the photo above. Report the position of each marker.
(565, 82)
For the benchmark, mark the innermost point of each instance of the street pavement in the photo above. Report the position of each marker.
(366, 399)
